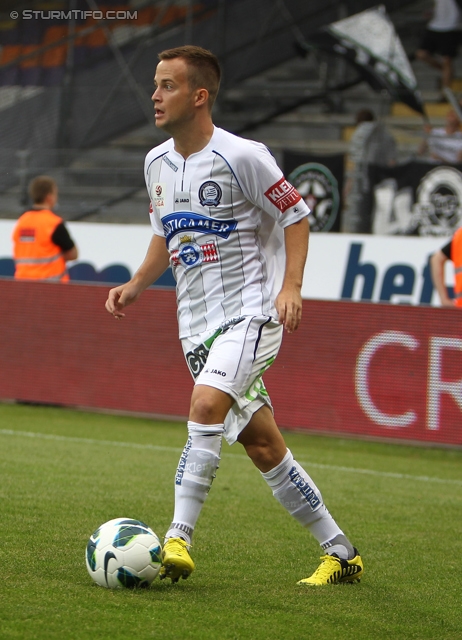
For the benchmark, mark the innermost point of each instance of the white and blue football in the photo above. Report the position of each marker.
(123, 553)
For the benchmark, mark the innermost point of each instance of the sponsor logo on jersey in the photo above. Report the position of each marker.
(158, 193)
(216, 372)
(169, 163)
(197, 358)
(210, 194)
(181, 221)
(191, 254)
(182, 199)
(283, 195)
(319, 188)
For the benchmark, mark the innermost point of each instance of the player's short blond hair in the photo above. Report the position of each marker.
(203, 68)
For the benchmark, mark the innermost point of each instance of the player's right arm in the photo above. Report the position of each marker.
(152, 267)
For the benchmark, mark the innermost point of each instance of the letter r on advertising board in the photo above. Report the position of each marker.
(437, 386)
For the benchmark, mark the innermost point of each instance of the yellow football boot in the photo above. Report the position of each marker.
(176, 561)
(334, 570)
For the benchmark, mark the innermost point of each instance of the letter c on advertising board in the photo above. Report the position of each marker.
(362, 378)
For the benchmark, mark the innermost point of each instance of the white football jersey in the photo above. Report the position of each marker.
(222, 212)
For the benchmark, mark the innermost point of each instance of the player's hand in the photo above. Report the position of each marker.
(449, 303)
(289, 307)
(120, 297)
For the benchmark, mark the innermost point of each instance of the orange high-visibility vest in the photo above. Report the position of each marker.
(35, 255)
(456, 257)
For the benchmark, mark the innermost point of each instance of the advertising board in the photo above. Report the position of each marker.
(339, 267)
(368, 370)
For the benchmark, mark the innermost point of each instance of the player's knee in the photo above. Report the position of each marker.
(209, 406)
(203, 410)
(264, 454)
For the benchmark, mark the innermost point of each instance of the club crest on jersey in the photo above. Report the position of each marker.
(210, 194)
(184, 221)
(191, 254)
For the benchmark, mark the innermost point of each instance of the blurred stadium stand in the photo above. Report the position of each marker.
(75, 94)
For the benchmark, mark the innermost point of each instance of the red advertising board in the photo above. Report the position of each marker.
(370, 369)
(360, 368)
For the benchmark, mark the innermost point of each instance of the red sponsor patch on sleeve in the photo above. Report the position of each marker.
(283, 195)
(151, 210)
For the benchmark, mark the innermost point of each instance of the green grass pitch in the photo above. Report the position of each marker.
(63, 473)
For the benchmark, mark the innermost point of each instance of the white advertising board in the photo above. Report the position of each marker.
(367, 267)
(100, 245)
(339, 267)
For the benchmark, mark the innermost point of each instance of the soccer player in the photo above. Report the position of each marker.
(236, 235)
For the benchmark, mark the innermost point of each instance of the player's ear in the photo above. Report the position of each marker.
(202, 96)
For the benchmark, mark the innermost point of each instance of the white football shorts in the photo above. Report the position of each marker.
(233, 358)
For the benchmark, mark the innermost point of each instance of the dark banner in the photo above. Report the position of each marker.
(319, 180)
(415, 198)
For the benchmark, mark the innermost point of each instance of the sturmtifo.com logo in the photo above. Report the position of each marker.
(73, 14)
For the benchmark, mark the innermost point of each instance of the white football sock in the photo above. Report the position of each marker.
(194, 475)
(298, 494)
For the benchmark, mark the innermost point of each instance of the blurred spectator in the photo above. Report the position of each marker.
(441, 39)
(443, 144)
(451, 251)
(371, 143)
(42, 244)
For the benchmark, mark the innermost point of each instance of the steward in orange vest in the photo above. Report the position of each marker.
(456, 257)
(451, 251)
(42, 244)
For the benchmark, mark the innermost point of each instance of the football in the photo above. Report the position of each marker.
(123, 553)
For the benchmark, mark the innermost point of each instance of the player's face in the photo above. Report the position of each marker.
(173, 98)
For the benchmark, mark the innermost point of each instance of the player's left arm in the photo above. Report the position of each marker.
(264, 184)
(289, 301)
